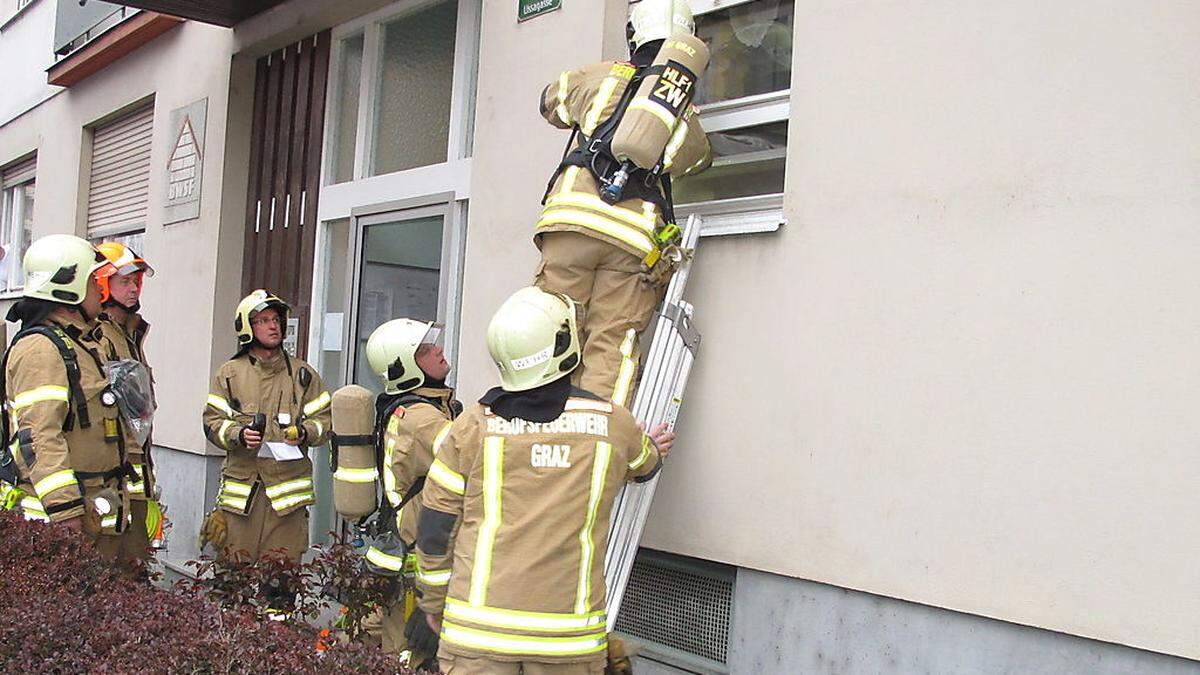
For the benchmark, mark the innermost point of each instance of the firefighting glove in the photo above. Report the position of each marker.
(294, 433)
(618, 658)
(215, 530)
(421, 638)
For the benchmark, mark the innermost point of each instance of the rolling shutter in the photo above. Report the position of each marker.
(20, 172)
(119, 190)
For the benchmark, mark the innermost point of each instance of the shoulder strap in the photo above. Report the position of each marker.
(58, 337)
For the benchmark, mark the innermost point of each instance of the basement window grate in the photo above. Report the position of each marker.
(680, 603)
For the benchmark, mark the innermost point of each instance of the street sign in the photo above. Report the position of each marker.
(528, 9)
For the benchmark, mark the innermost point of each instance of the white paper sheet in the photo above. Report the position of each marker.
(282, 452)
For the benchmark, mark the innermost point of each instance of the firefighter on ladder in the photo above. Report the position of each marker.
(605, 238)
(516, 510)
(415, 412)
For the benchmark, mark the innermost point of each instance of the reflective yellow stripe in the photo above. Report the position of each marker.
(288, 502)
(384, 560)
(139, 487)
(673, 147)
(389, 477)
(662, 114)
(441, 436)
(646, 221)
(561, 98)
(109, 522)
(220, 404)
(587, 547)
(504, 643)
(233, 502)
(624, 233)
(447, 478)
(221, 432)
(647, 448)
(317, 404)
(568, 184)
(348, 475)
(432, 577)
(624, 383)
(493, 479)
(50, 392)
(592, 120)
(32, 509)
(233, 487)
(516, 619)
(55, 481)
(290, 486)
(320, 427)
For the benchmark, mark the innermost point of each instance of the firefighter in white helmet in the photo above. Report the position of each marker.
(414, 415)
(64, 436)
(265, 409)
(516, 509)
(603, 246)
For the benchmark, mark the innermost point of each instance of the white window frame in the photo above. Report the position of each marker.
(439, 188)
(742, 215)
(12, 218)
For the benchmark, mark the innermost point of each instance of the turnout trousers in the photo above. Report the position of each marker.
(262, 530)
(616, 298)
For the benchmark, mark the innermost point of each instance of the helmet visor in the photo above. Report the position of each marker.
(433, 336)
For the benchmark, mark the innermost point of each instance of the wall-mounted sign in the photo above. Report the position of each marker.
(528, 9)
(185, 163)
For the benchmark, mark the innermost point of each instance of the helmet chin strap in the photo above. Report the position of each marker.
(112, 302)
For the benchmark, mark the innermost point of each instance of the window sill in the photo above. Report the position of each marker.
(14, 294)
(745, 215)
(16, 15)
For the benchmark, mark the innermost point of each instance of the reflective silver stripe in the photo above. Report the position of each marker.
(348, 475)
(233, 502)
(317, 404)
(220, 404)
(288, 487)
(441, 437)
(584, 404)
(236, 488)
(32, 509)
(621, 232)
(50, 392)
(646, 221)
(55, 481)
(647, 448)
(294, 500)
(433, 577)
(561, 98)
(221, 432)
(384, 560)
(504, 643)
(624, 384)
(521, 620)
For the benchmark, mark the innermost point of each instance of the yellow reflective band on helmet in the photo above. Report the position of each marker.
(493, 480)
(235, 488)
(447, 477)
(603, 96)
(221, 432)
(432, 577)
(521, 620)
(290, 486)
(504, 643)
(647, 448)
(383, 560)
(317, 404)
(32, 509)
(348, 475)
(645, 221)
(55, 481)
(587, 546)
(441, 437)
(561, 98)
(220, 404)
(677, 138)
(294, 500)
(659, 112)
(624, 383)
(50, 392)
(635, 238)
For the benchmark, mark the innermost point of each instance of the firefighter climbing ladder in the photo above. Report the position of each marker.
(668, 363)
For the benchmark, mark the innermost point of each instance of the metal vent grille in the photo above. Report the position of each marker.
(679, 603)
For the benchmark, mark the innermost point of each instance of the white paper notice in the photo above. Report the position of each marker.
(282, 452)
(331, 332)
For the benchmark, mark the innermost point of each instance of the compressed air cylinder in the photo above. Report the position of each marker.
(356, 475)
(659, 104)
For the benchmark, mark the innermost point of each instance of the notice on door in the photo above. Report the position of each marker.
(528, 9)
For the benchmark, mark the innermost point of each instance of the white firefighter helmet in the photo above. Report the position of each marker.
(58, 267)
(533, 339)
(392, 353)
(253, 304)
(658, 20)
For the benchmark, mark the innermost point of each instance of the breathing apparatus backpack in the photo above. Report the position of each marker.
(626, 152)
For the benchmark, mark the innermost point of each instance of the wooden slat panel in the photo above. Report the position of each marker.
(274, 93)
(119, 180)
(299, 112)
(279, 265)
(19, 172)
(253, 195)
(312, 180)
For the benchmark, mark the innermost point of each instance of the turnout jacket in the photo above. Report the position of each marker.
(278, 385)
(411, 440)
(518, 512)
(68, 447)
(584, 99)
(120, 342)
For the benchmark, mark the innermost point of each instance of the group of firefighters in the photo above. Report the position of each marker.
(498, 513)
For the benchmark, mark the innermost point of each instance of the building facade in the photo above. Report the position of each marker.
(942, 419)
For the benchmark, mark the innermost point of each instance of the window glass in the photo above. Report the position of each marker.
(416, 81)
(751, 50)
(16, 228)
(346, 108)
(400, 278)
(746, 162)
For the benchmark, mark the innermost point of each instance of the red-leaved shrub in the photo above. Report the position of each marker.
(67, 611)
